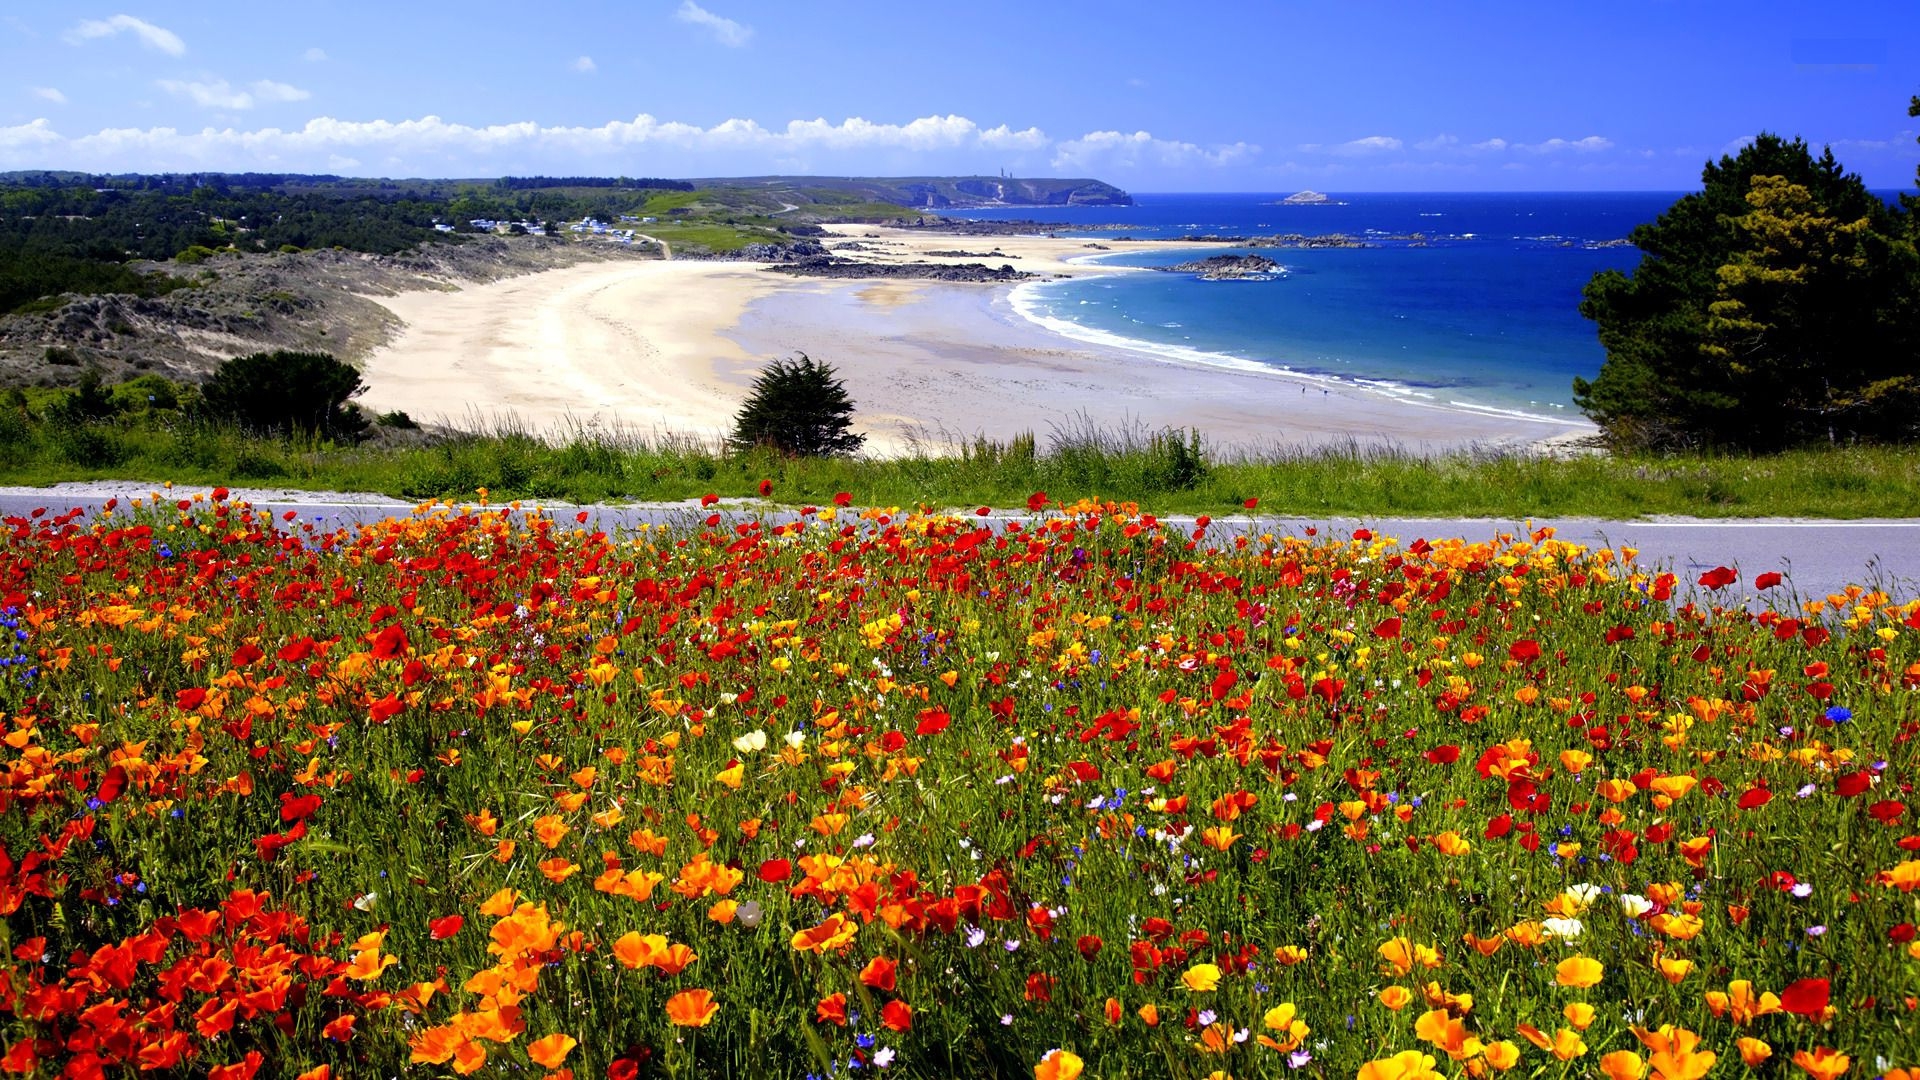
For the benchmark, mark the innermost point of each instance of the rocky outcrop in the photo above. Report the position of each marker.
(1230, 268)
(915, 271)
(1305, 198)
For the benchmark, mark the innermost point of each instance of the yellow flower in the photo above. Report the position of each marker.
(1823, 1063)
(1059, 1065)
(1623, 1065)
(1753, 1051)
(1406, 1065)
(1672, 968)
(1578, 971)
(1396, 997)
(1503, 1055)
(1201, 978)
(1579, 1014)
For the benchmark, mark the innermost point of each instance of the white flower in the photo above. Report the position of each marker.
(366, 902)
(1634, 905)
(883, 1057)
(1585, 893)
(751, 741)
(1566, 929)
(795, 738)
(976, 937)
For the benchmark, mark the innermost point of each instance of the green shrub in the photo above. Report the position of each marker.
(287, 393)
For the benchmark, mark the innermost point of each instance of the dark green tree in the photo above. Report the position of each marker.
(1778, 305)
(286, 393)
(797, 407)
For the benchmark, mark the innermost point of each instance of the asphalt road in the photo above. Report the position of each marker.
(1816, 557)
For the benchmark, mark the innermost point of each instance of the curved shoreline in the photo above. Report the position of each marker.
(671, 348)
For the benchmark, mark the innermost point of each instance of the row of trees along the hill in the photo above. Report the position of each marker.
(68, 232)
(1778, 306)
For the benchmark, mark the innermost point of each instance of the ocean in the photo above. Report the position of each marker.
(1470, 300)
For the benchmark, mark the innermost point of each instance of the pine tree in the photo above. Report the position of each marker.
(1776, 306)
(797, 407)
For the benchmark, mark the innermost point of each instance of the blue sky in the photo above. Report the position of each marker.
(1275, 95)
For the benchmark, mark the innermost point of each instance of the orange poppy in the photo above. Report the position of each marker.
(691, 1008)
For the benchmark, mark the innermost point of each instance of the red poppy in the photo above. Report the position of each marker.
(1808, 997)
(897, 1016)
(1767, 580)
(774, 871)
(709, 499)
(443, 928)
(1719, 577)
(766, 488)
(390, 643)
(843, 498)
(932, 721)
(1037, 501)
(1251, 503)
(294, 807)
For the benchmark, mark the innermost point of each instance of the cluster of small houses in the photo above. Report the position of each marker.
(586, 227)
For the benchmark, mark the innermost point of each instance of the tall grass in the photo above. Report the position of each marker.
(1170, 471)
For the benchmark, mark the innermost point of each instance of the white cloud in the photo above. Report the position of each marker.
(584, 65)
(1118, 150)
(153, 37)
(1492, 144)
(211, 93)
(50, 93)
(28, 136)
(1737, 145)
(314, 55)
(1590, 144)
(268, 90)
(431, 143)
(1372, 144)
(1438, 142)
(208, 93)
(725, 30)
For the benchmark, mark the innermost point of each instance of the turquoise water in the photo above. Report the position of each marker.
(1481, 311)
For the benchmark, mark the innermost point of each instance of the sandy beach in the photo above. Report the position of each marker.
(673, 346)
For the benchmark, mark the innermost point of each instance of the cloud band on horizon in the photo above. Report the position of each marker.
(333, 145)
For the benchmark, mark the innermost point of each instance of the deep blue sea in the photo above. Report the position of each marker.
(1482, 311)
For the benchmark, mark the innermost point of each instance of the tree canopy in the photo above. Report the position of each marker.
(1779, 305)
(798, 407)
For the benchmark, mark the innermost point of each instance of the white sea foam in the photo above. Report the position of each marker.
(1029, 300)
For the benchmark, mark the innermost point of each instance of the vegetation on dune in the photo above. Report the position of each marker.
(1081, 794)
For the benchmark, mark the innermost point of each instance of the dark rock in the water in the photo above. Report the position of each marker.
(830, 267)
(1230, 268)
(996, 253)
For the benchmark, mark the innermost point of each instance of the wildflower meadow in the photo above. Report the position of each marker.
(482, 791)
